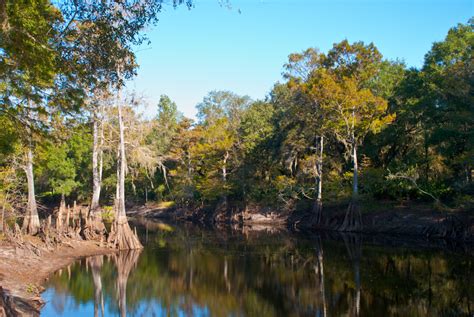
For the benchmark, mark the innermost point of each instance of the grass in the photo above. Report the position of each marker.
(31, 289)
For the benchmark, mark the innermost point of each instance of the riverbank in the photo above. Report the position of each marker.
(418, 220)
(24, 270)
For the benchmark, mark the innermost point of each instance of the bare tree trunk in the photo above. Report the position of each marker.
(121, 166)
(318, 204)
(31, 222)
(224, 178)
(355, 181)
(122, 236)
(3, 218)
(3, 213)
(96, 179)
(224, 167)
(353, 218)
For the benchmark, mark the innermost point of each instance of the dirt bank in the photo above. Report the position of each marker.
(409, 220)
(23, 272)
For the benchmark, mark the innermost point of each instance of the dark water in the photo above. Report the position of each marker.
(191, 271)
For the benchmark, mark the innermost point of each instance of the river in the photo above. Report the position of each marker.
(188, 270)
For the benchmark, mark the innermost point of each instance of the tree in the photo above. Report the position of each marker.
(122, 236)
(60, 169)
(31, 222)
(100, 100)
(165, 125)
(448, 69)
(54, 56)
(256, 128)
(307, 111)
(352, 109)
(220, 115)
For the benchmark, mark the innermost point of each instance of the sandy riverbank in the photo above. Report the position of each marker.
(23, 272)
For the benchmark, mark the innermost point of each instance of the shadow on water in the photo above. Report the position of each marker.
(186, 270)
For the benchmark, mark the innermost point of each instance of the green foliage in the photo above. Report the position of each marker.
(107, 214)
(415, 123)
(60, 169)
(403, 121)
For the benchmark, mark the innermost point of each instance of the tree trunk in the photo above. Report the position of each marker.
(96, 169)
(353, 218)
(3, 213)
(318, 204)
(224, 179)
(355, 182)
(31, 222)
(224, 167)
(61, 212)
(122, 236)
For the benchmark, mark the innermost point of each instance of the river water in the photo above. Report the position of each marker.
(186, 270)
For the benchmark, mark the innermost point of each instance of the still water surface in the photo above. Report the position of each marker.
(186, 270)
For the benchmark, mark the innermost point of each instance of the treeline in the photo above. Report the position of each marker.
(57, 58)
(345, 125)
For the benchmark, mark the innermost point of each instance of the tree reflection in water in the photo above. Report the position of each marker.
(353, 246)
(319, 270)
(125, 262)
(95, 264)
(193, 271)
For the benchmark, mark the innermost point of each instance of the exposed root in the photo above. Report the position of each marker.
(11, 305)
(353, 218)
(31, 224)
(122, 237)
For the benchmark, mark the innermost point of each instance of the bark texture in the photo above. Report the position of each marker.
(96, 168)
(353, 218)
(318, 204)
(122, 237)
(31, 223)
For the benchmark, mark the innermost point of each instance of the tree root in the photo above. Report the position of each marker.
(353, 218)
(122, 237)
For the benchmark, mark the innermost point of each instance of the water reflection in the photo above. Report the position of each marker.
(95, 264)
(191, 271)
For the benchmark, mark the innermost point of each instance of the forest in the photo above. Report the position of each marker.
(344, 141)
(345, 126)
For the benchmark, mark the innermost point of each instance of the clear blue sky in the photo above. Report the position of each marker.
(211, 47)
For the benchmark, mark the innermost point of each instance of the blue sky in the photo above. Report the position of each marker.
(243, 49)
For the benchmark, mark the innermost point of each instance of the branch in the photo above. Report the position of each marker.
(413, 181)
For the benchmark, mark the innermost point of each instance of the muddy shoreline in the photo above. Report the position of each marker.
(417, 221)
(23, 273)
